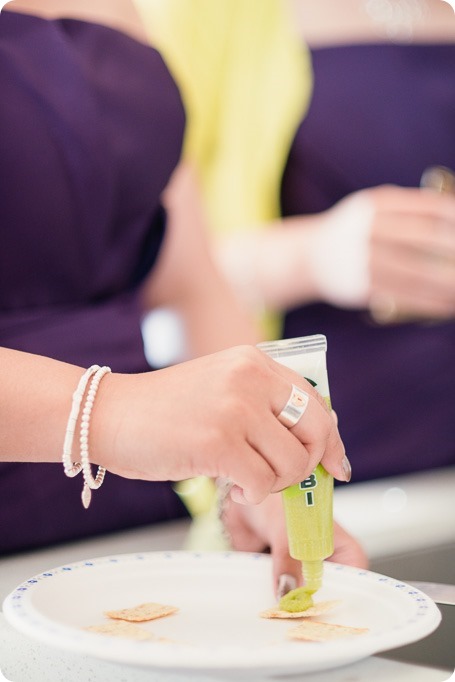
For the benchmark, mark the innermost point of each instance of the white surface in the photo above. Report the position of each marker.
(399, 514)
(216, 629)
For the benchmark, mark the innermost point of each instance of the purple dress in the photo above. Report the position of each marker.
(91, 129)
(379, 114)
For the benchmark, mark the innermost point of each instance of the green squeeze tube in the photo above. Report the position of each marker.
(308, 505)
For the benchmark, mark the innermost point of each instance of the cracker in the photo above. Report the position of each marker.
(119, 628)
(316, 610)
(315, 631)
(142, 612)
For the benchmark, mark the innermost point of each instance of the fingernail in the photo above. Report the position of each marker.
(286, 583)
(237, 495)
(346, 466)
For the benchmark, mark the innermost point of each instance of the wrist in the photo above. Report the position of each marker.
(338, 252)
(79, 422)
(104, 424)
(285, 271)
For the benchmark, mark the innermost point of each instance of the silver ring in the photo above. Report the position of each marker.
(294, 408)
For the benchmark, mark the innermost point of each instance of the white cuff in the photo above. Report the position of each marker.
(339, 252)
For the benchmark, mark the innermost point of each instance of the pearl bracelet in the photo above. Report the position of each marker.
(71, 468)
(90, 483)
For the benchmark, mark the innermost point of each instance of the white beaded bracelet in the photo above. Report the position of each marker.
(71, 468)
(90, 483)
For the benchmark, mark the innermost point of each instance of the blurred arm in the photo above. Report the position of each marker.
(187, 280)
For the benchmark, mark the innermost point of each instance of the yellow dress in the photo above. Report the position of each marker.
(245, 80)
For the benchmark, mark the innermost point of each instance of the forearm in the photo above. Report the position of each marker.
(35, 403)
(270, 267)
(187, 281)
(301, 259)
(214, 319)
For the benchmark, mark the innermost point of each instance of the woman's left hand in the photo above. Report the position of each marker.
(253, 528)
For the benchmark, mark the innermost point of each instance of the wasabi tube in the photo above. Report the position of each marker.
(308, 505)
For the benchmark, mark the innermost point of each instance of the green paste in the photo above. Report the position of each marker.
(297, 600)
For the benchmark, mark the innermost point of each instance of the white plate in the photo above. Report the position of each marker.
(219, 596)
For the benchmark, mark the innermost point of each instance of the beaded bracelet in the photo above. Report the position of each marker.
(71, 468)
(90, 483)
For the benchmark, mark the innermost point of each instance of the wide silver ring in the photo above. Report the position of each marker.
(294, 408)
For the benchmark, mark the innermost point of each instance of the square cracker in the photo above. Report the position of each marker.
(315, 631)
(118, 628)
(316, 610)
(142, 612)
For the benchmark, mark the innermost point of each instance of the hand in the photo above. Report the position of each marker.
(254, 528)
(214, 416)
(412, 254)
(387, 246)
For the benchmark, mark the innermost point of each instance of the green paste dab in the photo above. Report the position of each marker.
(297, 600)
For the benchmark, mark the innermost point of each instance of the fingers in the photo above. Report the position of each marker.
(412, 253)
(274, 461)
(417, 281)
(413, 219)
(414, 201)
(269, 460)
(252, 476)
(261, 455)
(431, 234)
(316, 430)
(286, 455)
